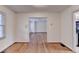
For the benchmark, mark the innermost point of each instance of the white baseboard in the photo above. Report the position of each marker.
(6, 46)
(68, 47)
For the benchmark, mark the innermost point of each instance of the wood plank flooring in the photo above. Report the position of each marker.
(49, 48)
(38, 44)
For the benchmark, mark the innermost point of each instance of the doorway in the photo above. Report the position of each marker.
(38, 33)
(76, 30)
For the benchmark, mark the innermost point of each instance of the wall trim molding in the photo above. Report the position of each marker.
(2, 51)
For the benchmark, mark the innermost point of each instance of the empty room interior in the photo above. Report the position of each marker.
(39, 28)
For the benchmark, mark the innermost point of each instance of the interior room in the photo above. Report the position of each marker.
(39, 28)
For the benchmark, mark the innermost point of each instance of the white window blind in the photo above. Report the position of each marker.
(1, 25)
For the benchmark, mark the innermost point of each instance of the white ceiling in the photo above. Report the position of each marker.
(32, 8)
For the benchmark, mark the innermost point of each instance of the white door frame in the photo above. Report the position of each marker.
(38, 17)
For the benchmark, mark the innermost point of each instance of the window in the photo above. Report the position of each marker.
(2, 25)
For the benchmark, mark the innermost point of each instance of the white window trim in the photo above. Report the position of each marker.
(3, 16)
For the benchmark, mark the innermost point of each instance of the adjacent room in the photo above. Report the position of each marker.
(39, 28)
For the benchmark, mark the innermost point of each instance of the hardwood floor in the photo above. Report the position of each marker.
(49, 48)
(38, 44)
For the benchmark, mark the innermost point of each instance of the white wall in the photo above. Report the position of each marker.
(9, 28)
(41, 26)
(38, 25)
(68, 36)
(53, 26)
(32, 26)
